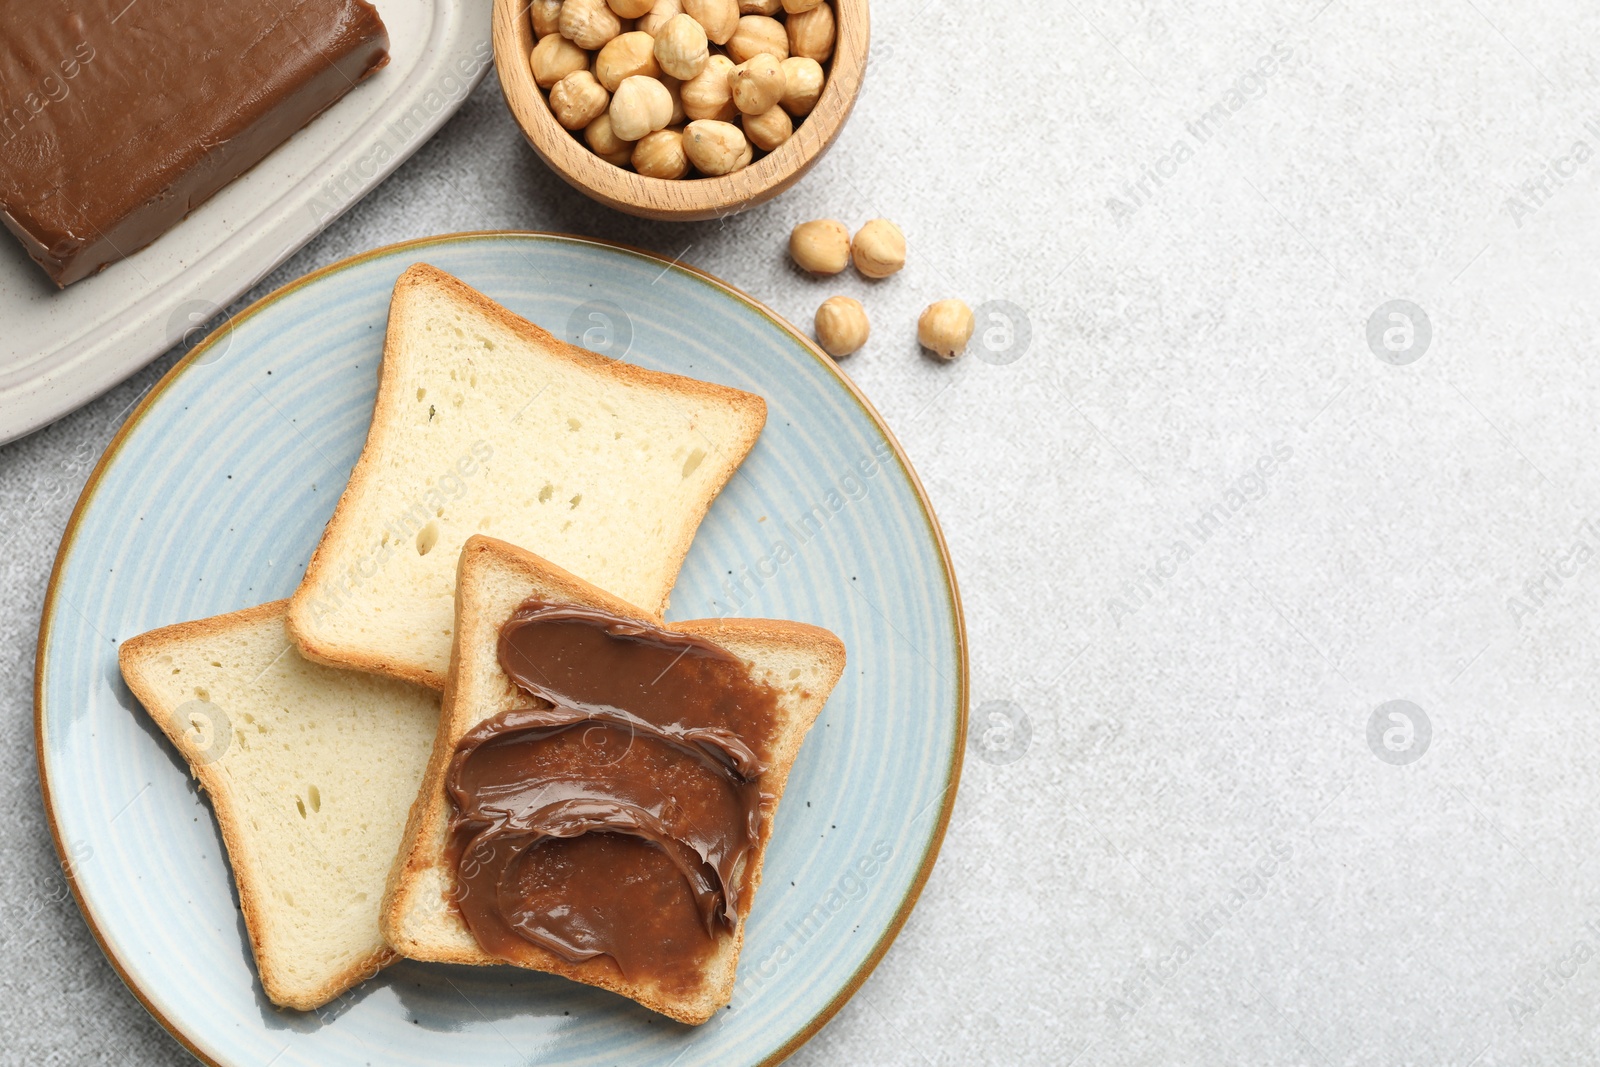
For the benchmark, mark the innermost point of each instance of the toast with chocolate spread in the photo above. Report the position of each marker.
(602, 786)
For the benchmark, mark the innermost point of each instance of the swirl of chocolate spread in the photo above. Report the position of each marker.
(616, 816)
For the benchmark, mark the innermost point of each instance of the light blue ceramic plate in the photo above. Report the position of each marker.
(211, 499)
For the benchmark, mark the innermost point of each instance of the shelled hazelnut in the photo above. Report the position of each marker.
(879, 248)
(682, 88)
(811, 33)
(578, 99)
(719, 17)
(660, 13)
(589, 24)
(606, 144)
(756, 84)
(945, 327)
(661, 155)
(681, 47)
(802, 84)
(546, 15)
(758, 35)
(769, 129)
(554, 57)
(716, 147)
(841, 326)
(821, 246)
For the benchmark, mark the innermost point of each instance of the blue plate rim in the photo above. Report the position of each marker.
(86, 496)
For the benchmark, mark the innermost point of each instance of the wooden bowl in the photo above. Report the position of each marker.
(685, 199)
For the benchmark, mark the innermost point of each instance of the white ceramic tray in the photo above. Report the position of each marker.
(60, 349)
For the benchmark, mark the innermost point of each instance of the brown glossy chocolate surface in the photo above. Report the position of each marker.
(117, 119)
(617, 817)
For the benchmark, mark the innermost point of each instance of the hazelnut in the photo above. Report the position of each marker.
(716, 148)
(661, 155)
(707, 95)
(802, 85)
(553, 58)
(757, 34)
(756, 84)
(578, 100)
(605, 143)
(794, 7)
(769, 129)
(658, 16)
(675, 90)
(641, 105)
(719, 17)
(546, 16)
(588, 23)
(624, 56)
(681, 47)
(811, 33)
(821, 246)
(842, 326)
(630, 9)
(879, 248)
(760, 7)
(945, 327)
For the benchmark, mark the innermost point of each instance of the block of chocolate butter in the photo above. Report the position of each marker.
(118, 118)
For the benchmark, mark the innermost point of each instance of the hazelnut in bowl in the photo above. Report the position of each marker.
(681, 109)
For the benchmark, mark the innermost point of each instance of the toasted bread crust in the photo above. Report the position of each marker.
(420, 854)
(301, 623)
(133, 657)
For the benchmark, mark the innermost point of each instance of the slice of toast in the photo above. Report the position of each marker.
(310, 771)
(802, 662)
(484, 423)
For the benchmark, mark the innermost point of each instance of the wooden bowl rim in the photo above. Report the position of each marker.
(712, 197)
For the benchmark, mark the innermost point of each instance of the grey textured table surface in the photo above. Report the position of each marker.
(1219, 513)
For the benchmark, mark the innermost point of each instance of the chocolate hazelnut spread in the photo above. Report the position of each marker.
(117, 119)
(615, 817)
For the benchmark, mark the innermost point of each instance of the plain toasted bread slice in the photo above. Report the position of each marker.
(802, 662)
(311, 772)
(484, 423)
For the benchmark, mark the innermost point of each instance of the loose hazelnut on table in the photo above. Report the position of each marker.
(879, 248)
(605, 143)
(661, 13)
(945, 327)
(681, 48)
(578, 99)
(624, 56)
(631, 9)
(821, 246)
(707, 95)
(802, 85)
(757, 34)
(546, 15)
(661, 154)
(769, 129)
(811, 33)
(842, 326)
(588, 23)
(719, 17)
(756, 84)
(553, 58)
(641, 105)
(716, 148)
